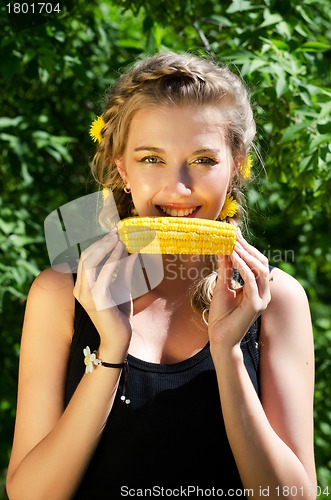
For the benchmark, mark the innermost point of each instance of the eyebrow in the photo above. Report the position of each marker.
(149, 148)
(214, 152)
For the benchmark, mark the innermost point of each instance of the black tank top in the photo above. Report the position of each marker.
(171, 436)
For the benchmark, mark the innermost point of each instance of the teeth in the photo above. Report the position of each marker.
(177, 213)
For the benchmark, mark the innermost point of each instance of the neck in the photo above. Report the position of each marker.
(175, 274)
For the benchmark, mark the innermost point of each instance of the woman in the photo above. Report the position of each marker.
(206, 383)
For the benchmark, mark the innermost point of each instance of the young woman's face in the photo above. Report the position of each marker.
(177, 162)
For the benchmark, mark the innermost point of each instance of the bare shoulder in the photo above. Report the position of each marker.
(288, 306)
(53, 285)
(51, 297)
(52, 280)
(286, 329)
(48, 322)
(283, 286)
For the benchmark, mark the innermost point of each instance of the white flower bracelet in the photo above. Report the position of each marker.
(91, 360)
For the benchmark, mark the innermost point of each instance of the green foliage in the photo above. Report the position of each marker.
(52, 78)
(53, 75)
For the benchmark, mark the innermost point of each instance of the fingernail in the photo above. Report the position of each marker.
(110, 236)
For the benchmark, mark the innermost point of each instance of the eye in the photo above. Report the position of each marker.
(151, 160)
(205, 160)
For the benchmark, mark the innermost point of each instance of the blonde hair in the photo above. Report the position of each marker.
(170, 79)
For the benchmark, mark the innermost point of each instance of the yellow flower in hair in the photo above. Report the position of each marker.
(229, 209)
(245, 167)
(95, 129)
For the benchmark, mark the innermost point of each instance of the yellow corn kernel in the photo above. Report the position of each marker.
(176, 235)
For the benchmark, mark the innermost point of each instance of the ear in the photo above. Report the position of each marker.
(239, 160)
(119, 162)
(236, 166)
(233, 172)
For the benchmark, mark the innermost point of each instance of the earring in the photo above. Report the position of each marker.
(126, 190)
(230, 208)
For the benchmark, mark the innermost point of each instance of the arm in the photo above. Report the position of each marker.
(272, 442)
(52, 445)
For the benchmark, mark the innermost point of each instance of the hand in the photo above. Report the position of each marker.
(103, 288)
(233, 310)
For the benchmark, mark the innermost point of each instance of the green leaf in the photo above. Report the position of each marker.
(221, 20)
(313, 47)
(324, 128)
(257, 64)
(284, 29)
(20, 241)
(239, 6)
(325, 110)
(6, 122)
(280, 44)
(270, 19)
(320, 139)
(294, 132)
(7, 227)
(281, 86)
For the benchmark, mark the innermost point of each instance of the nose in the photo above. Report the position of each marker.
(178, 183)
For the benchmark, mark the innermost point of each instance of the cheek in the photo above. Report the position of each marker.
(217, 181)
(215, 188)
(143, 185)
(142, 191)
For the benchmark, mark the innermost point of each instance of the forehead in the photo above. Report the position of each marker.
(177, 124)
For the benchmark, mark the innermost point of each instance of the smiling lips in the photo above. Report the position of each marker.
(183, 212)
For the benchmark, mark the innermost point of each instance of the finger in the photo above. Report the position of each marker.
(95, 253)
(245, 250)
(254, 274)
(89, 261)
(246, 273)
(99, 281)
(224, 276)
(258, 271)
(110, 268)
(258, 267)
(250, 303)
(223, 292)
(251, 249)
(91, 248)
(114, 283)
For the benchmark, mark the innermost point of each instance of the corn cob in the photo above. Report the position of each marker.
(176, 235)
